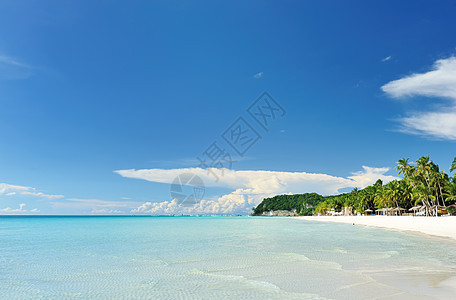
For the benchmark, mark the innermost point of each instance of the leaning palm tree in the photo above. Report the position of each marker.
(450, 191)
(403, 167)
(452, 169)
(435, 181)
(417, 198)
(422, 176)
(453, 165)
(444, 180)
(424, 168)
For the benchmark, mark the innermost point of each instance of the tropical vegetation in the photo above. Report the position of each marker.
(423, 187)
(304, 204)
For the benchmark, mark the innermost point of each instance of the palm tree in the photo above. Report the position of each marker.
(380, 197)
(403, 167)
(406, 194)
(417, 197)
(444, 180)
(391, 193)
(365, 198)
(423, 169)
(450, 191)
(453, 166)
(423, 183)
(354, 197)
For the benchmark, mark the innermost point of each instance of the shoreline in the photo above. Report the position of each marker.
(433, 226)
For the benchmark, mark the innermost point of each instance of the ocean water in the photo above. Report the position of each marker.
(217, 258)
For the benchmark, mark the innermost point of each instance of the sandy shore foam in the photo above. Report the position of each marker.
(440, 226)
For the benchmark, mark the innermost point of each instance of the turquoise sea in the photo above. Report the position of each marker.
(217, 258)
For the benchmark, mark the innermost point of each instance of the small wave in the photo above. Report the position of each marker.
(336, 250)
(295, 256)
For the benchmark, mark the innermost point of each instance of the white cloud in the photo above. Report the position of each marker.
(260, 181)
(250, 187)
(11, 61)
(386, 58)
(258, 75)
(11, 68)
(20, 210)
(440, 82)
(439, 125)
(42, 195)
(94, 206)
(11, 190)
(10, 210)
(370, 175)
(6, 188)
(105, 211)
(240, 202)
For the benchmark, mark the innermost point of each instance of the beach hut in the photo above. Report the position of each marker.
(415, 209)
(422, 211)
(389, 211)
(368, 211)
(380, 211)
(398, 211)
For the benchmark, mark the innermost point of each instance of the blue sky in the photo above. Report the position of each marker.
(91, 90)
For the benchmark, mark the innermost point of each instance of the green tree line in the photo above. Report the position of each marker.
(304, 204)
(423, 184)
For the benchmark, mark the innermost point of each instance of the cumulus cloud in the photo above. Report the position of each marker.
(370, 175)
(440, 82)
(238, 202)
(105, 211)
(20, 210)
(249, 187)
(10, 210)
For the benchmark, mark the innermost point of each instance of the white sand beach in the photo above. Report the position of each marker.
(440, 226)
